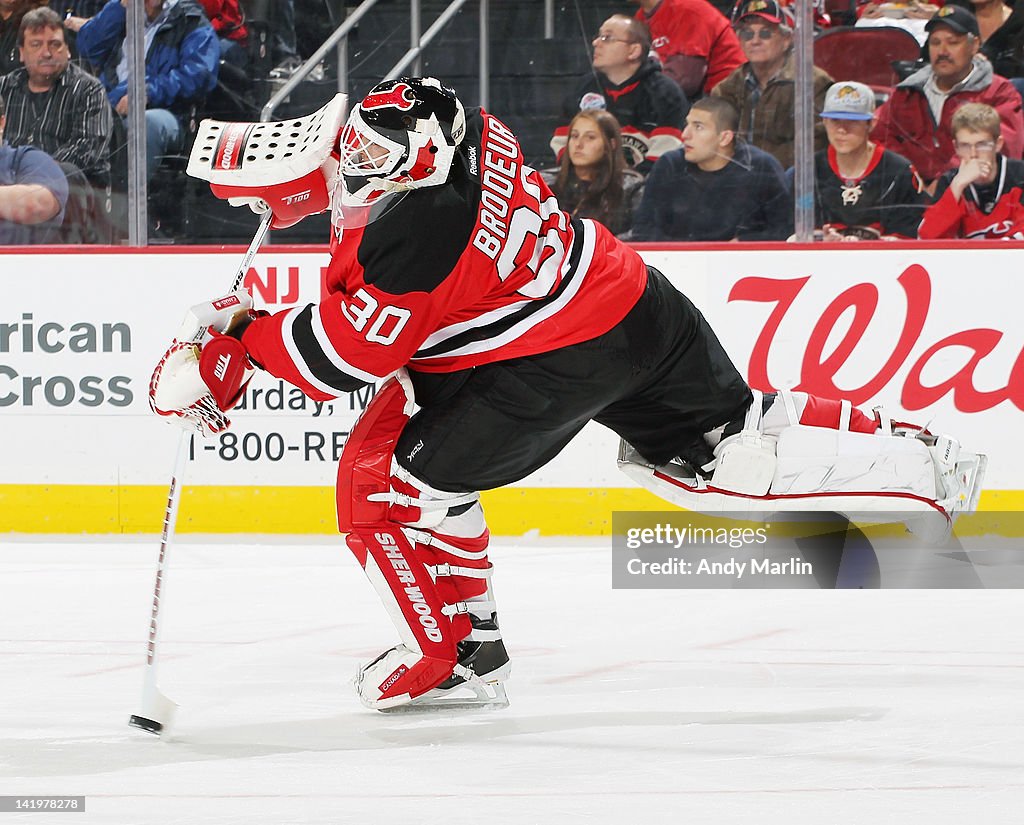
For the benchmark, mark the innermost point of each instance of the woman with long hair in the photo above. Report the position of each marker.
(593, 180)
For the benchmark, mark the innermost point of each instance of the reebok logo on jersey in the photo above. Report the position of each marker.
(474, 164)
(497, 186)
(221, 367)
(416, 449)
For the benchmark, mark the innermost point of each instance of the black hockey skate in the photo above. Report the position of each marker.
(478, 679)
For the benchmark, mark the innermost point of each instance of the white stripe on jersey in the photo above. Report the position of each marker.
(317, 323)
(451, 331)
(519, 329)
(288, 338)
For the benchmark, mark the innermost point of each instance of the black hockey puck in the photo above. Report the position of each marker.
(148, 725)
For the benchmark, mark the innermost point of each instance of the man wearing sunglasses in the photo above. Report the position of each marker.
(982, 198)
(763, 89)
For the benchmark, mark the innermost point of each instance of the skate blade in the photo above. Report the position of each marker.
(465, 697)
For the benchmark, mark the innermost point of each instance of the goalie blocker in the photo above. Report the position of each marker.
(206, 368)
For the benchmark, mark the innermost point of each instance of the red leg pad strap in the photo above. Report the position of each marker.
(825, 412)
(456, 588)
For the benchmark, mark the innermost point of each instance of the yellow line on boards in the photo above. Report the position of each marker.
(551, 511)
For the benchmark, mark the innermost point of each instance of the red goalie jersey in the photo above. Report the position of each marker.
(483, 268)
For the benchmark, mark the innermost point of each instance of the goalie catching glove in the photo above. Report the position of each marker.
(206, 368)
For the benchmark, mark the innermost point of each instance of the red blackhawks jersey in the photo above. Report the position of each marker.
(483, 268)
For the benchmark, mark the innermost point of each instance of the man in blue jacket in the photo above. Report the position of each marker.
(714, 188)
(182, 58)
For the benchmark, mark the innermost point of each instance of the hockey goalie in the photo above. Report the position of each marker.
(500, 326)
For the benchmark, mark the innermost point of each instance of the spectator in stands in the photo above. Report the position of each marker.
(862, 191)
(33, 192)
(912, 16)
(1001, 29)
(592, 180)
(628, 83)
(11, 12)
(58, 107)
(982, 198)
(991, 15)
(915, 121)
(77, 8)
(228, 21)
(763, 89)
(75, 13)
(913, 10)
(694, 42)
(715, 188)
(54, 105)
(182, 58)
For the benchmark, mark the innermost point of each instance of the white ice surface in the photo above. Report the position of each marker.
(627, 707)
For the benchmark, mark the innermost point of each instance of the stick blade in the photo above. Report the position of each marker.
(156, 715)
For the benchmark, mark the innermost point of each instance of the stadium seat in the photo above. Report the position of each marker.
(866, 55)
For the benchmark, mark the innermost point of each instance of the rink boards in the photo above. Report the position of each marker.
(930, 332)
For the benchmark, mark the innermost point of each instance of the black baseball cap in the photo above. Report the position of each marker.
(957, 18)
(768, 10)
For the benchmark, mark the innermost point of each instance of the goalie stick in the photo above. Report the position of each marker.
(157, 710)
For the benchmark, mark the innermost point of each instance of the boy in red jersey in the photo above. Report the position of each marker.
(982, 198)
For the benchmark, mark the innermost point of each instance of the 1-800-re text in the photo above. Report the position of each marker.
(273, 446)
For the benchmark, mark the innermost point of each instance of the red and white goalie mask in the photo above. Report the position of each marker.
(402, 136)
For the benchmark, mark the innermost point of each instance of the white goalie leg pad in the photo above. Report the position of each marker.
(821, 468)
(745, 463)
(817, 460)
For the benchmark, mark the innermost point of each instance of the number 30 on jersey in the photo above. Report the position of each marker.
(379, 325)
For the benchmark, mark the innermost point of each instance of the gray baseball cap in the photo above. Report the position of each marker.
(849, 100)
